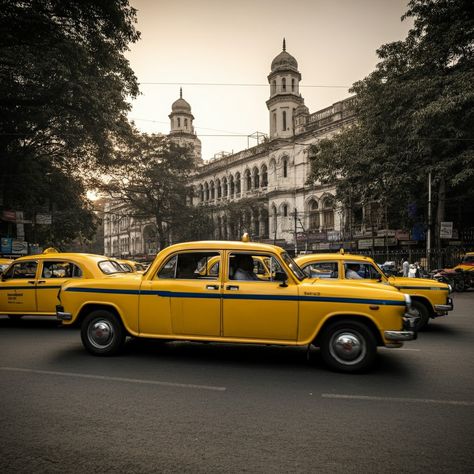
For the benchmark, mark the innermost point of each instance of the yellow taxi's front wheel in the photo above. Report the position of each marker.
(348, 346)
(102, 333)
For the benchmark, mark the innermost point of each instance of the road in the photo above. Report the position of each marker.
(192, 407)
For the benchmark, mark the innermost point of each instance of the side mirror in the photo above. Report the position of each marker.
(281, 277)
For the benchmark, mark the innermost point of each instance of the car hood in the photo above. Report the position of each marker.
(404, 282)
(352, 284)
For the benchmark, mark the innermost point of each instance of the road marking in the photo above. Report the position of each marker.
(400, 349)
(398, 399)
(115, 379)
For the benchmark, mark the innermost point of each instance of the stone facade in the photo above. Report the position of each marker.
(260, 190)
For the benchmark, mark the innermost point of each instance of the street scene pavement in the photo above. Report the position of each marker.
(192, 407)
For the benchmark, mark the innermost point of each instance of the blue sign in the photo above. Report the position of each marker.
(6, 245)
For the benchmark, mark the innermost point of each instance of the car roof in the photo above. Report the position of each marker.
(63, 255)
(224, 244)
(302, 259)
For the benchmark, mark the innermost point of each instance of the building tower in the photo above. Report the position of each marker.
(285, 97)
(181, 127)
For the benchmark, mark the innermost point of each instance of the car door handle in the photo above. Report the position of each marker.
(232, 287)
(31, 282)
(41, 281)
(212, 287)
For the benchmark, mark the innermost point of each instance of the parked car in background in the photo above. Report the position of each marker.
(30, 284)
(176, 300)
(132, 267)
(430, 298)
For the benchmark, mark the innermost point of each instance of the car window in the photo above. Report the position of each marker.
(110, 266)
(321, 270)
(250, 266)
(293, 266)
(22, 270)
(364, 270)
(468, 259)
(190, 266)
(60, 270)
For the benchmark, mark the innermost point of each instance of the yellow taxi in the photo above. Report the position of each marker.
(4, 263)
(31, 283)
(176, 300)
(430, 298)
(467, 262)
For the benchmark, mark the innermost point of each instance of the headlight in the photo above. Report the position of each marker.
(408, 301)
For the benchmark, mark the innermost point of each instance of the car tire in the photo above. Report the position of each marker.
(459, 286)
(348, 346)
(419, 309)
(102, 333)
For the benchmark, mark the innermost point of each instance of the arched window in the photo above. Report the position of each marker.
(218, 189)
(256, 178)
(328, 213)
(292, 85)
(201, 192)
(283, 84)
(285, 167)
(185, 123)
(224, 187)
(237, 183)
(248, 180)
(284, 210)
(313, 210)
(274, 122)
(274, 86)
(231, 186)
(264, 176)
(179, 122)
(283, 127)
(212, 190)
(274, 220)
(206, 191)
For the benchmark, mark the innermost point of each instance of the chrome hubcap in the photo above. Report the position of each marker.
(100, 333)
(347, 347)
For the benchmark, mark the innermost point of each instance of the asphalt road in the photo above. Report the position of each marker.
(192, 407)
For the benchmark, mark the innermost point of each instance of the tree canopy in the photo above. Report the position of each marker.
(66, 87)
(415, 114)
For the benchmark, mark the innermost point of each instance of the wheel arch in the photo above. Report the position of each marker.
(425, 301)
(351, 317)
(90, 307)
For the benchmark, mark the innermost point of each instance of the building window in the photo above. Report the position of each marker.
(231, 186)
(213, 194)
(285, 167)
(284, 120)
(328, 213)
(283, 84)
(206, 191)
(185, 123)
(274, 122)
(256, 178)
(179, 122)
(237, 183)
(248, 180)
(313, 215)
(293, 85)
(219, 189)
(273, 87)
(285, 210)
(224, 187)
(264, 176)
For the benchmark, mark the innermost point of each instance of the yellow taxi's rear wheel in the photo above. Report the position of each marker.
(348, 346)
(102, 333)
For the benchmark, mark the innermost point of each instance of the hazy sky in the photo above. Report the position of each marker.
(234, 42)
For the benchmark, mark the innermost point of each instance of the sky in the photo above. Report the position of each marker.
(220, 52)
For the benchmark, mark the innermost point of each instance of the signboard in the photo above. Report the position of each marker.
(43, 219)
(6, 245)
(9, 216)
(446, 230)
(20, 247)
(402, 234)
(333, 235)
(386, 232)
(364, 244)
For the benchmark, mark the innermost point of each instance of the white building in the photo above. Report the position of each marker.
(260, 190)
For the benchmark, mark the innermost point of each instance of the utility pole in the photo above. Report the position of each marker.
(296, 231)
(428, 234)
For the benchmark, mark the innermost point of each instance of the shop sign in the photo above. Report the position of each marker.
(20, 247)
(446, 230)
(6, 245)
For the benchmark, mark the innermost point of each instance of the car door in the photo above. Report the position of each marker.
(18, 288)
(52, 274)
(259, 309)
(182, 298)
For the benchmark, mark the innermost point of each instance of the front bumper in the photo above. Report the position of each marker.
(61, 315)
(442, 309)
(400, 336)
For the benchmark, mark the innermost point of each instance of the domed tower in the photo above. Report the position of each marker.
(285, 97)
(181, 126)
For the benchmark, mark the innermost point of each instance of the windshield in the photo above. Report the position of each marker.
(293, 266)
(109, 266)
(381, 270)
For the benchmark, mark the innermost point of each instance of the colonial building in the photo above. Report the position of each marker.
(260, 190)
(263, 190)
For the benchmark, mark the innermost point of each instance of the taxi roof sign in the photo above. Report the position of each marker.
(246, 237)
(50, 250)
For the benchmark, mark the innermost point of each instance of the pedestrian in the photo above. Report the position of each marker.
(405, 267)
(412, 271)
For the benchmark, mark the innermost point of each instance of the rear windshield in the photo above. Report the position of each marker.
(109, 266)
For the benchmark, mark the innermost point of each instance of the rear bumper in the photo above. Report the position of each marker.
(61, 315)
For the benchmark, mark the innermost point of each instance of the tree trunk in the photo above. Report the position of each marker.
(440, 216)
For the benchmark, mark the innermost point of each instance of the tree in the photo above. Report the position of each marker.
(415, 115)
(152, 179)
(65, 87)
